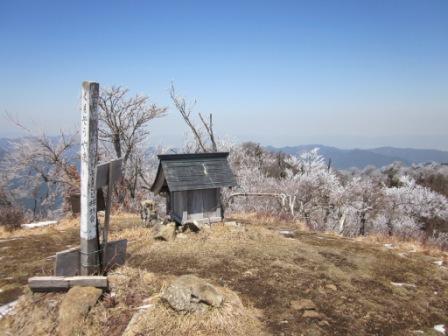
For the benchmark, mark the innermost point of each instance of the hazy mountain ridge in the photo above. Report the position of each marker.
(378, 157)
(341, 158)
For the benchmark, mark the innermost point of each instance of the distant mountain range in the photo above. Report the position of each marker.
(378, 157)
(341, 158)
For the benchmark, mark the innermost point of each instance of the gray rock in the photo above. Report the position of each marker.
(134, 326)
(288, 233)
(303, 304)
(312, 314)
(165, 232)
(189, 293)
(75, 306)
(331, 287)
(192, 226)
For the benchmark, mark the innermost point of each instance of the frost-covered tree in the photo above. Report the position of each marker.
(307, 183)
(42, 170)
(408, 206)
(357, 204)
(352, 203)
(301, 188)
(124, 133)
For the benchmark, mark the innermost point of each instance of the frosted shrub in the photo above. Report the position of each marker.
(359, 202)
(409, 205)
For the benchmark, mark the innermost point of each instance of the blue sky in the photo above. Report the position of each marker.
(344, 73)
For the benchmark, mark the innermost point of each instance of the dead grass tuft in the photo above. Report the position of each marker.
(35, 315)
(230, 319)
(268, 220)
(409, 245)
(64, 224)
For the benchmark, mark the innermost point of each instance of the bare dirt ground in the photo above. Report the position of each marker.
(24, 253)
(359, 288)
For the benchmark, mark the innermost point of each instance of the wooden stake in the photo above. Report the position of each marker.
(107, 217)
(89, 259)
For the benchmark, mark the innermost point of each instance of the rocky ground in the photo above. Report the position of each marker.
(307, 284)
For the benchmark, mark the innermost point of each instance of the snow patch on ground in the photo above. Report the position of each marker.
(10, 239)
(440, 328)
(144, 307)
(402, 284)
(7, 308)
(288, 233)
(38, 224)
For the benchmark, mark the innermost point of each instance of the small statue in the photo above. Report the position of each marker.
(148, 213)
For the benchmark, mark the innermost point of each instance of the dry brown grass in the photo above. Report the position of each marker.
(130, 288)
(24, 253)
(35, 315)
(268, 220)
(230, 319)
(351, 281)
(64, 224)
(28, 252)
(69, 222)
(269, 271)
(405, 245)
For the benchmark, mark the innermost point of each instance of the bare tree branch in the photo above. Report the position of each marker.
(209, 129)
(124, 123)
(185, 112)
(44, 168)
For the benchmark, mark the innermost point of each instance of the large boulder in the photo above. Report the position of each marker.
(74, 307)
(165, 232)
(189, 293)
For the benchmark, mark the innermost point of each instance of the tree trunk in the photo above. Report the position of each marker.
(389, 227)
(362, 229)
(117, 144)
